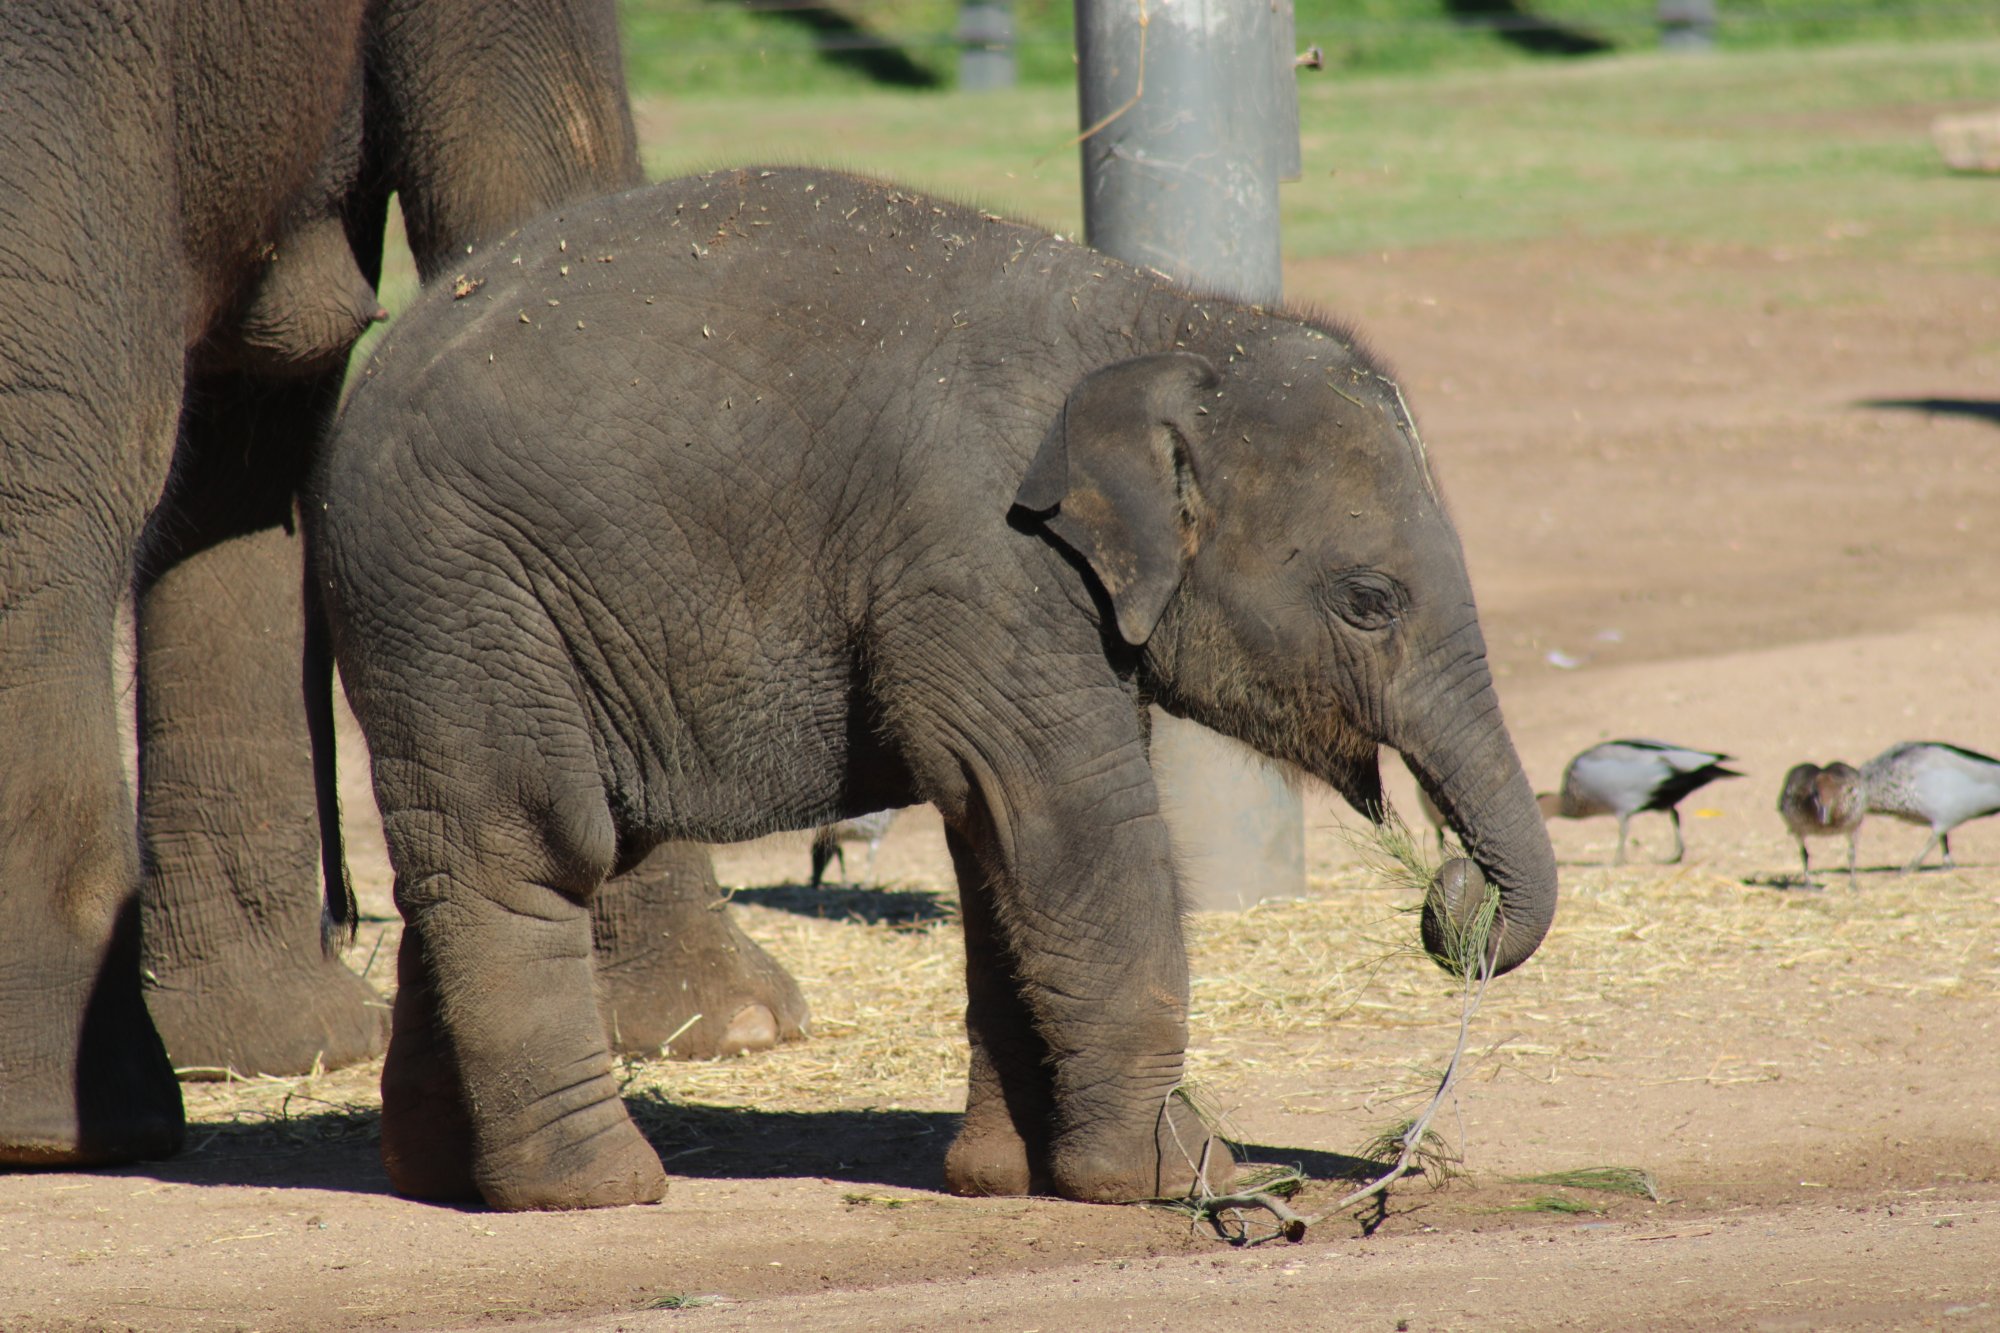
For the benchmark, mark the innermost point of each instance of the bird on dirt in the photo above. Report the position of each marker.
(1629, 777)
(1932, 783)
(828, 838)
(1821, 802)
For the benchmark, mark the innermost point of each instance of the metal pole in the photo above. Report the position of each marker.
(1193, 108)
(985, 45)
(1687, 25)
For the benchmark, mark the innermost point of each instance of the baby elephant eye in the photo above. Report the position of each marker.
(1367, 599)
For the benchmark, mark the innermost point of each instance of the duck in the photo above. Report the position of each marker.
(827, 840)
(1820, 801)
(1935, 784)
(1629, 777)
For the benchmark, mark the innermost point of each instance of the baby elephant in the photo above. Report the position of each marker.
(766, 498)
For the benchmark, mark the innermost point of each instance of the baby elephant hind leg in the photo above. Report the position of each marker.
(494, 889)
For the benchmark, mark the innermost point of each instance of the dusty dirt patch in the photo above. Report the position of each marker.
(1667, 468)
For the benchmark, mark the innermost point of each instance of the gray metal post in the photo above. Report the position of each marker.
(1687, 25)
(985, 45)
(1193, 104)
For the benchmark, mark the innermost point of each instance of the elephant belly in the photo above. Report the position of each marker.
(730, 765)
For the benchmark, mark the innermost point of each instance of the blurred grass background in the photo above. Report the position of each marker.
(1741, 147)
(1477, 144)
(689, 46)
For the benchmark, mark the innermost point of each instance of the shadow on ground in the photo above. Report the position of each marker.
(1980, 409)
(337, 1148)
(898, 1149)
(910, 908)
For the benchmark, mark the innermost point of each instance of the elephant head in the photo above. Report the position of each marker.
(1266, 535)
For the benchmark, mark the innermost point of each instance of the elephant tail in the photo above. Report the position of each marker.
(341, 916)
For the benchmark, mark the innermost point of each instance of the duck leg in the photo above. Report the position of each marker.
(1916, 865)
(1619, 860)
(1805, 864)
(1680, 848)
(1853, 838)
(825, 849)
(1945, 840)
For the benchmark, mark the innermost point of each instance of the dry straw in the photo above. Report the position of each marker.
(1318, 1005)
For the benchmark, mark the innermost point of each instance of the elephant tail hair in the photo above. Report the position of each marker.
(340, 918)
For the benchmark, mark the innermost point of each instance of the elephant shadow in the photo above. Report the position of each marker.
(892, 1149)
(911, 909)
(338, 1148)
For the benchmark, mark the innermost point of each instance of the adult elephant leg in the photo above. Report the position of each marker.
(90, 376)
(1002, 1145)
(675, 972)
(235, 974)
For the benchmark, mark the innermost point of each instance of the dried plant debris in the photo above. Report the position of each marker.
(1605, 1179)
(1551, 1203)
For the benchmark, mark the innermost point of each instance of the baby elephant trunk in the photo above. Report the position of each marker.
(1497, 905)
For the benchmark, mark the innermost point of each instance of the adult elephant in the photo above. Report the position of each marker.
(194, 202)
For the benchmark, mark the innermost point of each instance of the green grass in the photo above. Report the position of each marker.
(1763, 148)
(678, 47)
(1746, 149)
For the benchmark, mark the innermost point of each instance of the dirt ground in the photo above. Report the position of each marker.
(1739, 499)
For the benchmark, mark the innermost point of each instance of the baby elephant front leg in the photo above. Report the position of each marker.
(1095, 1033)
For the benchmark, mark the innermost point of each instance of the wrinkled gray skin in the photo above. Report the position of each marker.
(194, 201)
(767, 498)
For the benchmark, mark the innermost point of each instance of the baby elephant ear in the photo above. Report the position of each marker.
(1114, 469)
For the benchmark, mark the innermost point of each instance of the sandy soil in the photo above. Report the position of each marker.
(1747, 498)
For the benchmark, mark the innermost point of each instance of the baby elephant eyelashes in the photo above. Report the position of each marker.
(1366, 599)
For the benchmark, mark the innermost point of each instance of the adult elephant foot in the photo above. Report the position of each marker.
(83, 1080)
(1174, 1157)
(86, 1083)
(676, 975)
(285, 1012)
(608, 1168)
(235, 975)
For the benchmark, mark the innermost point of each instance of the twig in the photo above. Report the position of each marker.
(1292, 1226)
(1413, 1137)
(369, 966)
(1138, 91)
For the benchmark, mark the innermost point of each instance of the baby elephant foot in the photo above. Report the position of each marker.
(1171, 1158)
(988, 1158)
(676, 975)
(991, 1155)
(426, 1130)
(606, 1166)
(587, 1153)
